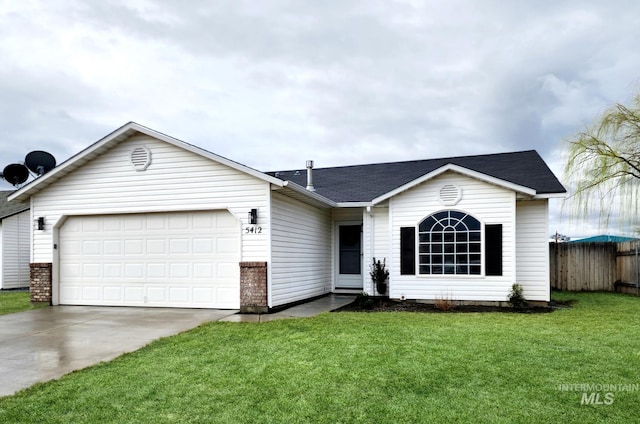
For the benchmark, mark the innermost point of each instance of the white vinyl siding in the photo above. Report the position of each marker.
(376, 242)
(300, 251)
(175, 180)
(489, 204)
(532, 252)
(347, 214)
(15, 244)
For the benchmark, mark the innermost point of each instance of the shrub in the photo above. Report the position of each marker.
(379, 274)
(445, 304)
(364, 301)
(516, 297)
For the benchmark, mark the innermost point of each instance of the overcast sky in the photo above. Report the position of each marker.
(272, 83)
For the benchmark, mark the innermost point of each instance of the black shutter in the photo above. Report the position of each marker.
(408, 251)
(493, 249)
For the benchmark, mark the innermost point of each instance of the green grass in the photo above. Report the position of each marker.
(15, 301)
(364, 367)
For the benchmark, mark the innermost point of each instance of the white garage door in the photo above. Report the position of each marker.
(183, 259)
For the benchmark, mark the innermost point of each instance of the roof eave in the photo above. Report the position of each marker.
(9, 215)
(353, 204)
(207, 154)
(551, 195)
(315, 197)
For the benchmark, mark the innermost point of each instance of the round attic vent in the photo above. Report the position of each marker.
(140, 158)
(450, 194)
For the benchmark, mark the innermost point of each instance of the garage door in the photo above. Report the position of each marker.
(184, 259)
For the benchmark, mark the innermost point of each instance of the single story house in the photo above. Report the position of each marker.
(142, 219)
(15, 242)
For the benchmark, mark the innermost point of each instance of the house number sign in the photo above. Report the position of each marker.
(252, 229)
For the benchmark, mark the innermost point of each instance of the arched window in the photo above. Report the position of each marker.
(450, 243)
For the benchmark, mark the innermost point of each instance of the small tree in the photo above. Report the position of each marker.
(516, 297)
(603, 166)
(379, 275)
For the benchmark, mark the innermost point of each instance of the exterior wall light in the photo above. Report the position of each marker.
(253, 216)
(39, 221)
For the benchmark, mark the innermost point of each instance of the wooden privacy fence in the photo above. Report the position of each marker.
(594, 266)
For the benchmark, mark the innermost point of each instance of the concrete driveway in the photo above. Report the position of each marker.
(44, 344)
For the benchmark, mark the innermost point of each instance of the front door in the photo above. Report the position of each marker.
(349, 258)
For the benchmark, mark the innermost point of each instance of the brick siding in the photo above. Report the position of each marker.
(253, 287)
(41, 281)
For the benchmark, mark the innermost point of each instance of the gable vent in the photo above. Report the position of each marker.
(450, 194)
(140, 158)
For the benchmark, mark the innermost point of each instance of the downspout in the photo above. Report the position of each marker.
(372, 227)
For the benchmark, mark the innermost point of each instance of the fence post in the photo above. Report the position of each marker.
(637, 288)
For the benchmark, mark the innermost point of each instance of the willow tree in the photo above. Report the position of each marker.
(603, 166)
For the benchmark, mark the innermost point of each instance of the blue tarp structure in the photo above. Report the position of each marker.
(605, 238)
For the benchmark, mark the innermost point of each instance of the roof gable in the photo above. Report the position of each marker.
(460, 170)
(123, 133)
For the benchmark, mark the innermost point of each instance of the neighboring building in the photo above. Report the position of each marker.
(142, 219)
(15, 233)
(604, 238)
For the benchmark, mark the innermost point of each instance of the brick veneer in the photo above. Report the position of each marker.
(40, 288)
(253, 287)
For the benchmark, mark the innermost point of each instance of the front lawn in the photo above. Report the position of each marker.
(15, 301)
(395, 367)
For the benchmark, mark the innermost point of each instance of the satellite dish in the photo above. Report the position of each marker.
(15, 173)
(40, 162)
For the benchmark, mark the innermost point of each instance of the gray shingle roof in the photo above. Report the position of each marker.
(9, 208)
(363, 183)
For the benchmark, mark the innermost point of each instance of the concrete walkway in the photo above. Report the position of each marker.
(44, 344)
(309, 309)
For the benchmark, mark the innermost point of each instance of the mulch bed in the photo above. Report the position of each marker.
(386, 305)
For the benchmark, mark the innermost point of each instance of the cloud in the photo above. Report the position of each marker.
(273, 83)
